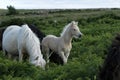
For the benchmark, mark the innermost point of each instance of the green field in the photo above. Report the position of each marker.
(87, 55)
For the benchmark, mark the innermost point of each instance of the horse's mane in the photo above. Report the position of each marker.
(65, 28)
(39, 34)
(31, 38)
(111, 66)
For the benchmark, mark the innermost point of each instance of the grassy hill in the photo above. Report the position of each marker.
(88, 53)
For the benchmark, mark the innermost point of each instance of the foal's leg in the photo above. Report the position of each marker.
(61, 53)
(45, 51)
(67, 54)
(47, 54)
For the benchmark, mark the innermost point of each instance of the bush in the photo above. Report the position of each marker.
(11, 10)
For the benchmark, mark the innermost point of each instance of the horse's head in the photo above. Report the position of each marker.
(39, 62)
(75, 30)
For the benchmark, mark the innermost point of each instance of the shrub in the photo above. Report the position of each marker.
(11, 10)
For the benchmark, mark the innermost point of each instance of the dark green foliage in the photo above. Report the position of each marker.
(87, 55)
(11, 10)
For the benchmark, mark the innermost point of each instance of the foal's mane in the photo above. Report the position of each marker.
(65, 28)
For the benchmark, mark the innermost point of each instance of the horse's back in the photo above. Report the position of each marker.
(51, 41)
(49, 38)
(12, 27)
(11, 31)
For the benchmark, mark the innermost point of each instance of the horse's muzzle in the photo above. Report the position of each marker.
(80, 36)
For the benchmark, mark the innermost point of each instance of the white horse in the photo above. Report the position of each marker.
(61, 45)
(21, 40)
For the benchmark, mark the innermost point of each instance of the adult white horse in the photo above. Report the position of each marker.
(61, 45)
(21, 40)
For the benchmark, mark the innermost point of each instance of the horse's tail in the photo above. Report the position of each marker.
(1, 36)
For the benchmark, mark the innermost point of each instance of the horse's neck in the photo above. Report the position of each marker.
(33, 49)
(67, 38)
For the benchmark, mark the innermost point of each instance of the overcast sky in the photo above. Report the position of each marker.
(59, 4)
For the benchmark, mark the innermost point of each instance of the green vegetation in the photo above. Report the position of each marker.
(88, 53)
(11, 10)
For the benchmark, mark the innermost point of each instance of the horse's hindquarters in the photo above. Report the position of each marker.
(9, 42)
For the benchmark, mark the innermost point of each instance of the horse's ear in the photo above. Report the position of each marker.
(76, 23)
(37, 58)
(72, 23)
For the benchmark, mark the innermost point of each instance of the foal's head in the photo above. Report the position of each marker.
(75, 32)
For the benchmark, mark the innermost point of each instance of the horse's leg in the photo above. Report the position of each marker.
(61, 53)
(15, 58)
(45, 51)
(20, 55)
(5, 53)
(47, 54)
(9, 56)
(67, 54)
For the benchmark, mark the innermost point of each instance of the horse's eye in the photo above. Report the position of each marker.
(74, 29)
